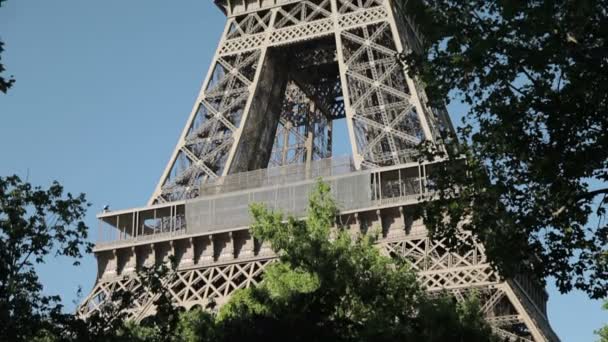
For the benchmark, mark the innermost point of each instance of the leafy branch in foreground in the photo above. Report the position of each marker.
(534, 76)
(602, 333)
(333, 286)
(34, 223)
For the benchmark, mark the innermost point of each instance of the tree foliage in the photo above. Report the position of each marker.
(5, 83)
(34, 223)
(111, 322)
(534, 75)
(331, 286)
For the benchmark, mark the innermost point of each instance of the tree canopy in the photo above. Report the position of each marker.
(34, 223)
(534, 183)
(331, 286)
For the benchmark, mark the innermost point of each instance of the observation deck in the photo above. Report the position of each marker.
(223, 205)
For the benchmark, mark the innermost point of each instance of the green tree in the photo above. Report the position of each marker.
(330, 286)
(535, 77)
(112, 323)
(34, 223)
(5, 83)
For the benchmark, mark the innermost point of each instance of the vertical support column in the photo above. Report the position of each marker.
(187, 258)
(137, 223)
(310, 137)
(410, 83)
(253, 140)
(118, 227)
(247, 245)
(131, 262)
(286, 129)
(190, 121)
(357, 158)
(111, 263)
(224, 246)
(206, 250)
(309, 147)
(172, 218)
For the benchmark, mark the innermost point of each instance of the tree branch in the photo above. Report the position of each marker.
(592, 194)
(587, 195)
(532, 79)
(514, 88)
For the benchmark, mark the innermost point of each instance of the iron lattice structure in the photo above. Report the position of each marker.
(301, 65)
(285, 74)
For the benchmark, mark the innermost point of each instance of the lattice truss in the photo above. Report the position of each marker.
(203, 152)
(188, 288)
(342, 60)
(317, 75)
(302, 127)
(386, 124)
(312, 100)
(349, 6)
(464, 275)
(302, 12)
(438, 269)
(341, 64)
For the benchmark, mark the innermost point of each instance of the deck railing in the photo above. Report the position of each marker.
(226, 202)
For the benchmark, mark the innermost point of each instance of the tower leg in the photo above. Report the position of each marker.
(233, 117)
(384, 116)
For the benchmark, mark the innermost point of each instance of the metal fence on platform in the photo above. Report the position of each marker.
(226, 202)
(350, 191)
(278, 176)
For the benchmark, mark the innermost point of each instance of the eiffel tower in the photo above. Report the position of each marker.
(286, 76)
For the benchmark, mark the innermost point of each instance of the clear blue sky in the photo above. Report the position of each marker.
(103, 91)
